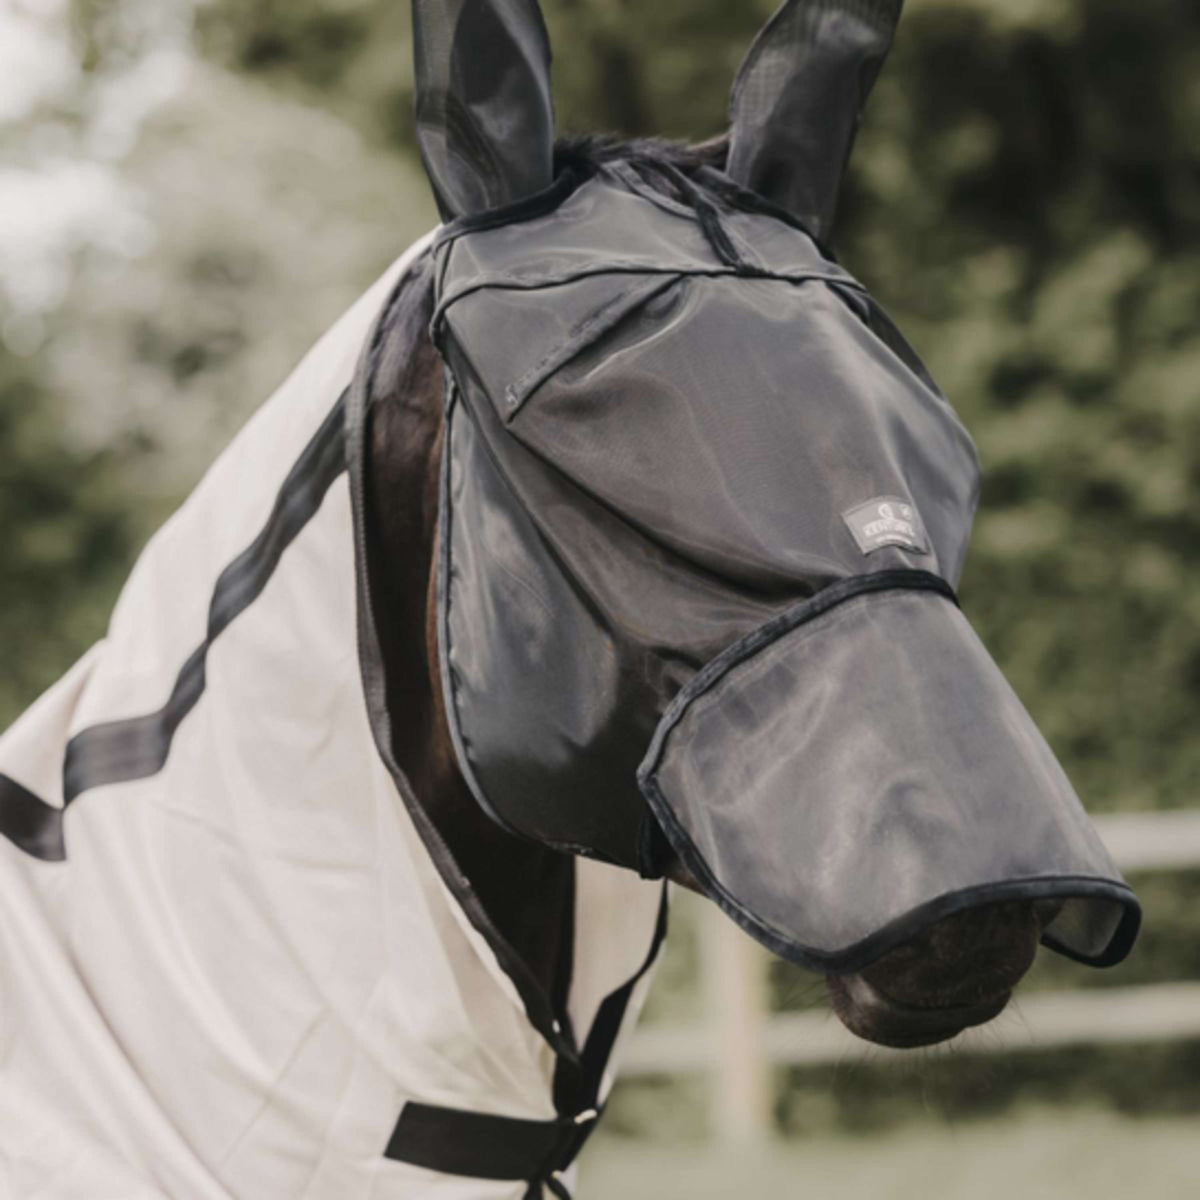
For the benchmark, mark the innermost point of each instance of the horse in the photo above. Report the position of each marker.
(277, 920)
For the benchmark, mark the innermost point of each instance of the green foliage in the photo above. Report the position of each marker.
(873, 1095)
(270, 218)
(869, 1097)
(67, 525)
(1025, 198)
(354, 57)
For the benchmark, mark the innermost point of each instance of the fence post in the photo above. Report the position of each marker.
(740, 1100)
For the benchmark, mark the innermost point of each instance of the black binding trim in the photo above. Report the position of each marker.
(799, 614)
(526, 209)
(586, 333)
(578, 1089)
(539, 1007)
(137, 748)
(30, 823)
(452, 1141)
(834, 275)
(747, 201)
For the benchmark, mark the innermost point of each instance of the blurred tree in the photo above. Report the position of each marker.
(270, 218)
(620, 66)
(67, 526)
(1026, 199)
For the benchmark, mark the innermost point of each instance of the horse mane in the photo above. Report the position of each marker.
(675, 169)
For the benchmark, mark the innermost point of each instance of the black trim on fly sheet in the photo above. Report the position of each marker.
(30, 823)
(546, 1017)
(478, 1145)
(137, 748)
(577, 1089)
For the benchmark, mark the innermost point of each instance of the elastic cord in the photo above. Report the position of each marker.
(709, 216)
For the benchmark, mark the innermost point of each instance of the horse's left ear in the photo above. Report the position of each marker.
(798, 98)
(485, 121)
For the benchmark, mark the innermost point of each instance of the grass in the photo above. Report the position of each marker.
(1042, 1154)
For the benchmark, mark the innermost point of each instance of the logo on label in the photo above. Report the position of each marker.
(887, 521)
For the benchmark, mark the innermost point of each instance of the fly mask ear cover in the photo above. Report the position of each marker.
(700, 528)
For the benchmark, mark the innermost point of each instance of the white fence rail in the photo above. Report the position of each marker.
(740, 1041)
(1155, 841)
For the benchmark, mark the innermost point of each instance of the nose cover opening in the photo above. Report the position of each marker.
(701, 526)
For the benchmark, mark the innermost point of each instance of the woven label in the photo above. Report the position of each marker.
(887, 521)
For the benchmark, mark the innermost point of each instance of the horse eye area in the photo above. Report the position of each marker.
(958, 973)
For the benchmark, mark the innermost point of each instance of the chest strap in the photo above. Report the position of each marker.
(481, 1146)
(453, 1141)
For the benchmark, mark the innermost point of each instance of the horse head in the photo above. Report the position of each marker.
(690, 516)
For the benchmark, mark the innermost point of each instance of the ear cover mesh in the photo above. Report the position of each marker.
(485, 121)
(798, 98)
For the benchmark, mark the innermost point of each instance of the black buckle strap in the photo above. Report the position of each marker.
(482, 1146)
(478, 1145)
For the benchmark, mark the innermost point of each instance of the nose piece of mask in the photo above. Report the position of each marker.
(859, 769)
(700, 531)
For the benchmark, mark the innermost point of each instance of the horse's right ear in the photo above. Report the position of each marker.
(485, 121)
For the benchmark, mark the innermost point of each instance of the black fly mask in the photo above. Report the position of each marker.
(703, 518)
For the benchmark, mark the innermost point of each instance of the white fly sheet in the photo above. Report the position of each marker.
(229, 966)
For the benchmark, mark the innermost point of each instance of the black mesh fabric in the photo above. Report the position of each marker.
(485, 121)
(797, 100)
(875, 740)
(658, 457)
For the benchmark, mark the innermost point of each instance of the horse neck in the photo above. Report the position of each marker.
(526, 889)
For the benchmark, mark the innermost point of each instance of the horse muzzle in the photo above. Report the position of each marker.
(857, 778)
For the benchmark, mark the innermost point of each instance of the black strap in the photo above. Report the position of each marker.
(30, 823)
(138, 747)
(482, 1146)
(555, 1185)
(577, 1085)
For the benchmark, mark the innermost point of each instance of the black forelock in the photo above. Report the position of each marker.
(649, 153)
